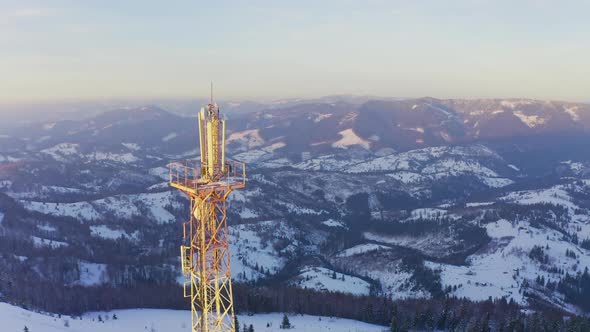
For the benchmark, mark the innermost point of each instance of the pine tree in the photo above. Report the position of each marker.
(393, 327)
(442, 321)
(285, 324)
(369, 315)
(26, 329)
(251, 328)
(485, 325)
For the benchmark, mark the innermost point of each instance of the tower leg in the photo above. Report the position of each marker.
(211, 292)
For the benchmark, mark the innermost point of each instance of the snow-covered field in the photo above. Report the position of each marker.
(78, 210)
(249, 250)
(92, 274)
(360, 249)
(429, 243)
(118, 157)
(42, 192)
(120, 206)
(248, 139)
(333, 223)
(40, 243)
(131, 146)
(556, 195)
(397, 282)
(500, 269)
(105, 232)
(161, 320)
(415, 166)
(262, 154)
(169, 137)
(326, 162)
(450, 159)
(323, 279)
(63, 151)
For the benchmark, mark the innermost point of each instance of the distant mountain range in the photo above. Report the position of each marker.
(321, 126)
(413, 198)
(410, 124)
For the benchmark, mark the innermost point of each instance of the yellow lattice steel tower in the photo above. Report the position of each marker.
(205, 255)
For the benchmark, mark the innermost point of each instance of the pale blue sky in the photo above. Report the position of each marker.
(94, 49)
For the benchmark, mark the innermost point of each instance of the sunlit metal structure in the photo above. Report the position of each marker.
(205, 255)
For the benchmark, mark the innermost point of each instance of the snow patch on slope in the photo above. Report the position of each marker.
(249, 138)
(349, 138)
(259, 155)
(321, 117)
(62, 151)
(496, 182)
(41, 243)
(323, 279)
(333, 223)
(576, 167)
(572, 111)
(361, 249)
(118, 157)
(530, 120)
(92, 274)
(131, 146)
(169, 137)
(119, 206)
(413, 160)
(513, 103)
(556, 195)
(48, 126)
(514, 167)
(251, 246)
(406, 177)
(79, 210)
(325, 163)
(105, 232)
(161, 172)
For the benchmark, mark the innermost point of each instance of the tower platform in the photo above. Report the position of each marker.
(187, 176)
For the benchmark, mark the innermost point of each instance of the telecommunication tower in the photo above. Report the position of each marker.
(205, 255)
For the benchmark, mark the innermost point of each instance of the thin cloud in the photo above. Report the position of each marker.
(16, 15)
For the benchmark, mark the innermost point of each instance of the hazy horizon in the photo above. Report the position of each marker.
(77, 109)
(265, 50)
(204, 97)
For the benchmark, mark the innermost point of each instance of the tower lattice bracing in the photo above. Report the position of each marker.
(205, 253)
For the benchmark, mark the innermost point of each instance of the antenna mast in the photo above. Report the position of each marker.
(205, 255)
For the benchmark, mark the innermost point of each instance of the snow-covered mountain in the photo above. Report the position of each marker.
(419, 198)
(407, 124)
